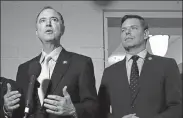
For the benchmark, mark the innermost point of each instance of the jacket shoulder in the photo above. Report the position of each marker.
(79, 57)
(26, 64)
(115, 65)
(163, 59)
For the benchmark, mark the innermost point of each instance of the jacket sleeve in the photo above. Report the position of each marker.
(173, 92)
(104, 99)
(87, 108)
(14, 87)
(19, 113)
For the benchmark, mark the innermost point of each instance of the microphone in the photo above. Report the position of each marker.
(34, 71)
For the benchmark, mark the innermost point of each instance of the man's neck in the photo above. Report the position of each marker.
(47, 47)
(135, 51)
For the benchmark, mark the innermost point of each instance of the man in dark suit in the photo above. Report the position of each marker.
(142, 85)
(71, 91)
(8, 90)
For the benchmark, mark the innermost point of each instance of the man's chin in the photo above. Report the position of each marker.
(128, 47)
(48, 39)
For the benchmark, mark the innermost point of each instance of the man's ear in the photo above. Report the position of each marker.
(36, 32)
(62, 29)
(146, 34)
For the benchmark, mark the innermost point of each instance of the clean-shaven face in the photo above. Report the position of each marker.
(132, 33)
(49, 26)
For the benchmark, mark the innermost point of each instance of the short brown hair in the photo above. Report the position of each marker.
(142, 20)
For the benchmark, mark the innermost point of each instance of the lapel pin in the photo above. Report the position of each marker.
(64, 62)
(150, 58)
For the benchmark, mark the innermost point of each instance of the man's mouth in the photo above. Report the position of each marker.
(128, 38)
(49, 31)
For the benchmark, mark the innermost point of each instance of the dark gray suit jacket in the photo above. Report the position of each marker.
(72, 70)
(159, 95)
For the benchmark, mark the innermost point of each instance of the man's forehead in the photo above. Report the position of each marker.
(131, 22)
(48, 13)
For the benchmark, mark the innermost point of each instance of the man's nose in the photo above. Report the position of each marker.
(128, 31)
(48, 23)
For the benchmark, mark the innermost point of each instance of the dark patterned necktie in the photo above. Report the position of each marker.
(134, 77)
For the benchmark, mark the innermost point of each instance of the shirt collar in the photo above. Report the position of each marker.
(54, 54)
(141, 54)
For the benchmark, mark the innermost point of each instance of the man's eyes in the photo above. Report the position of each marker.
(134, 27)
(123, 30)
(52, 19)
(42, 20)
(55, 19)
(131, 28)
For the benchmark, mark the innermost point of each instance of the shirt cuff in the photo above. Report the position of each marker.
(7, 114)
(74, 114)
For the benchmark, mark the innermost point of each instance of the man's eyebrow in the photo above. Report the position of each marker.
(135, 25)
(50, 17)
(131, 26)
(54, 17)
(42, 18)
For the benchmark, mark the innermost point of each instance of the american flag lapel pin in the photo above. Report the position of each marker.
(150, 58)
(64, 62)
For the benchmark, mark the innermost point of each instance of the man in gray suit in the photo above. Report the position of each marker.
(142, 85)
(71, 92)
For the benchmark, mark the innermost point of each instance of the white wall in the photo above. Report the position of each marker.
(84, 29)
(175, 50)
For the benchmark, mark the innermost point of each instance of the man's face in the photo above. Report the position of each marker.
(132, 33)
(49, 26)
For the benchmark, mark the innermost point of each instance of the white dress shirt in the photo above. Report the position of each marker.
(54, 56)
(140, 62)
(51, 65)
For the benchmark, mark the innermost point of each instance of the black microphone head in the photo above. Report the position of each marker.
(34, 68)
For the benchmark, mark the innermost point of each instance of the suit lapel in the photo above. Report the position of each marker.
(60, 69)
(145, 67)
(125, 80)
(37, 58)
(123, 84)
(124, 75)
